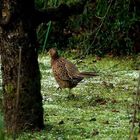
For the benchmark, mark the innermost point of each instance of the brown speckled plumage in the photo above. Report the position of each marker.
(66, 73)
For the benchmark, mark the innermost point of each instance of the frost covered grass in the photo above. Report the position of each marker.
(101, 108)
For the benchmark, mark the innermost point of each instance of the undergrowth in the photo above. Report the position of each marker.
(103, 27)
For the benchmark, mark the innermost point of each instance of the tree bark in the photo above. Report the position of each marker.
(23, 109)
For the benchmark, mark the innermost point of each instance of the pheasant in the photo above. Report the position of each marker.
(65, 72)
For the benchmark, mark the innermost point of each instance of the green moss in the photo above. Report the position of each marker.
(2, 133)
(9, 88)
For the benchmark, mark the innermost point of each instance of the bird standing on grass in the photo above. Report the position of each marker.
(65, 72)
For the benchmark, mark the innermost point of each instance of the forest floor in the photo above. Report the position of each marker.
(101, 108)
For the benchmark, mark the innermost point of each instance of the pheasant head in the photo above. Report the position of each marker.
(53, 53)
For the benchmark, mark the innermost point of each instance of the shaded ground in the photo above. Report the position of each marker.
(101, 108)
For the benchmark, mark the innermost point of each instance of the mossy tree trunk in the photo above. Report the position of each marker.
(17, 31)
(21, 86)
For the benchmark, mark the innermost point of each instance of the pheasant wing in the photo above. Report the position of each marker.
(60, 70)
(71, 69)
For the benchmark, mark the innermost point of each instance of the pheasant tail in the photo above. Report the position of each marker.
(87, 74)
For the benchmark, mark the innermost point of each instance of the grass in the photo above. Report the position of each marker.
(102, 107)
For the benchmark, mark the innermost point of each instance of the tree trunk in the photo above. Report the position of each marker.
(21, 90)
(20, 70)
